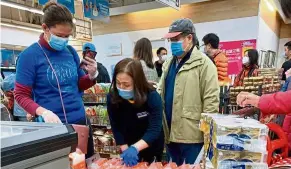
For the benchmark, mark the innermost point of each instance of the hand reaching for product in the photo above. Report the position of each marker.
(244, 98)
(130, 156)
(50, 117)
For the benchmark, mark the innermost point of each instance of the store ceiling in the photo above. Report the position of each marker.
(117, 7)
(21, 15)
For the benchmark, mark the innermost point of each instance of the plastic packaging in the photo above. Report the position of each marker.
(232, 142)
(77, 161)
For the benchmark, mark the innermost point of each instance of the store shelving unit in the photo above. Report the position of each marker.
(98, 122)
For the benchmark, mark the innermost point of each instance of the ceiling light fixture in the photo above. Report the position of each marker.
(20, 6)
(20, 27)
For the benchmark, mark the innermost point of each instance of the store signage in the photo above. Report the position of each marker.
(96, 9)
(114, 49)
(83, 30)
(70, 4)
(234, 50)
(176, 4)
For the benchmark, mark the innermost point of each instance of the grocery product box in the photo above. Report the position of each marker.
(233, 142)
(232, 133)
(223, 157)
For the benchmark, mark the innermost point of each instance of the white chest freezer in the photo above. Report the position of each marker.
(36, 145)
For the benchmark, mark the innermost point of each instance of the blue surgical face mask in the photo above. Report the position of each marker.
(58, 43)
(125, 94)
(177, 48)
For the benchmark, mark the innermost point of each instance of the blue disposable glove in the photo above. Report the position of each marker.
(130, 156)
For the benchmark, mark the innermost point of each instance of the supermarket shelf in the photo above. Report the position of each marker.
(99, 125)
(108, 155)
(93, 104)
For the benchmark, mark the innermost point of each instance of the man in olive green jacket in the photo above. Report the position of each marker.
(188, 87)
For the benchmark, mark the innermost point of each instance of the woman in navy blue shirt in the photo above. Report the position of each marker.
(135, 112)
(50, 68)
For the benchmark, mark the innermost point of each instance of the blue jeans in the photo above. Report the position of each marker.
(180, 152)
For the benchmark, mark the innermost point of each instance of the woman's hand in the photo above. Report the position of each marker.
(48, 116)
(130, 156)
(124, 147)
(29, 117)
(244, 98)
(91, 67)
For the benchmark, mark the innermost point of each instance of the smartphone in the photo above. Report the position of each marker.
(90, 54)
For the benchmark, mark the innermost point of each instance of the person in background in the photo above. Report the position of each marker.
(250, 67)
(5, 113)
(287, 85)
(143, 51)
(56, 100)
(135, 113)
(8, 87)
(162, 55)
(89, 50)
(211, 49)
(189, 87)
(287, 65)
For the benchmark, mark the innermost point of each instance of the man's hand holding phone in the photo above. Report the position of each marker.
(90, 65)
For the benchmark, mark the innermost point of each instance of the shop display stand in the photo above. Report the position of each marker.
(100, 122)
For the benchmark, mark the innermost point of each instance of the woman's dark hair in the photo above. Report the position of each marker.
(143, 51)
(141, 87)
(55, 13)
(254, 56)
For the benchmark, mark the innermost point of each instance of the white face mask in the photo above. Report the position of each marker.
(245, 60)
(283, 55)
(164, 57)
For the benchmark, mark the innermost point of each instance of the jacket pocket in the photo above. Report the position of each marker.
(192, 112)
(189, 124)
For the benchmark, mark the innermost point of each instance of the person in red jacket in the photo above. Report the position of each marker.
(276, 103)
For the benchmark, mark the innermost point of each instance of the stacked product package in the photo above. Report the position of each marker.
(232, 142)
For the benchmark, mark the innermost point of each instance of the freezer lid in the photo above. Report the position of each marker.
(29, 140)
(15, 133)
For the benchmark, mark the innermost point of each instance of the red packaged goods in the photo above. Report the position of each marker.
(89, 91)
(171, 165)
(88, 111)
(185, 166)
(156, 165)
(98, 89)
(284, 163)
(125, 167)
(116, 161)
(142, 165)
(100, 162)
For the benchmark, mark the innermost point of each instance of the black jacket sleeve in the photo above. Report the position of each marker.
(103, 76)
(155, 111)
(115, 124)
